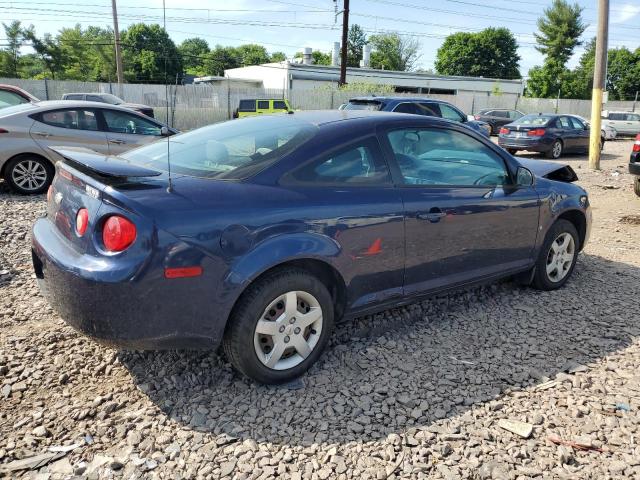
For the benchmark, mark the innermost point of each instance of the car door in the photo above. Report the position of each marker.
(581, 134)
(618, 121)
(464, 218)
(632, 123)
(69, 127)
(351, 199)
(567, 133)
(128, 130)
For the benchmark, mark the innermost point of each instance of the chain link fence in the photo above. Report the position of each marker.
(191, 106)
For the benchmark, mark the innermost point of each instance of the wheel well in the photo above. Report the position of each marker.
(579, 221)
(20, 155)
(324, 272)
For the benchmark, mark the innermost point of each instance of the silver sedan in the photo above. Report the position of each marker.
(28, 130)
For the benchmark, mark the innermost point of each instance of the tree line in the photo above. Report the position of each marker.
(150, 55)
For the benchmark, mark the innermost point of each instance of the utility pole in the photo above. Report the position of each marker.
(599, 74)
(116, 34)
(345, 34)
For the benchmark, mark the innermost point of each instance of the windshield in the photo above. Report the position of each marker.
(112, 99)
(231, 150)
(23, 107)
(533, 120)
(363, 105)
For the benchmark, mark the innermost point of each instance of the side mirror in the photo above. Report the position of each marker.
(524, 177)
(587, 127)
(165, 132)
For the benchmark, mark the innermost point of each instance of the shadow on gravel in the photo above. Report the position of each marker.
(407, 367)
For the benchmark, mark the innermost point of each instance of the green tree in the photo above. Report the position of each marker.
(49, 54)
(356, 40)
(14, 34)
(277, 57)
(560, 29)
(391, 51)
(252, 54)
(193, 51)
(492, 53)
(219, 59)
(86, 55)
(149, 54)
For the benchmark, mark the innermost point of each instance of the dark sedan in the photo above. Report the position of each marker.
(271, 228)
(497, 117)
(418, 106)
(548, 133)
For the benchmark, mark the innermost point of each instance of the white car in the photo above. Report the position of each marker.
(606, 131)
(625, 123)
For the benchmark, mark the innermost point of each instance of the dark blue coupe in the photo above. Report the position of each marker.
(270, 228)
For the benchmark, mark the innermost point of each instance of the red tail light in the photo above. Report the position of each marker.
(504, 131)
(2, 130)
(82, 221)
(538, 132)
(636, 145)
(118, 233)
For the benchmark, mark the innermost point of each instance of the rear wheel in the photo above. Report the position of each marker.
(557, 257)
(636, 185)
(29, 174)
(512, 151)
(279, 327)
(556, 150)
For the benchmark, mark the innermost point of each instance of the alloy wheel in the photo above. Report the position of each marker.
(557, 149)
(29, 175)
(560, 257)
(288, 330)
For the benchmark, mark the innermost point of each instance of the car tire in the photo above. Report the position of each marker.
(556, 259)
(29, 174)
(636, 185)
(602, 140)
(555, 151)
(262, 325)
(512, 151)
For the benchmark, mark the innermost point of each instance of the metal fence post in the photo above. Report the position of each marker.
(46, 89)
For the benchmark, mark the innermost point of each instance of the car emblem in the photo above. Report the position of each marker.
(57, 198)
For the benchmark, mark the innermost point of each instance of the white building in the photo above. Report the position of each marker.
(299, 76)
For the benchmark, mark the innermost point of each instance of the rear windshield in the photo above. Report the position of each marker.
(231, 150)
(363, 105)
(533, 120)
(23, 107)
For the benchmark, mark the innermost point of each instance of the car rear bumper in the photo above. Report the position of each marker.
(531, 144)
(634, 166)
(121, 307)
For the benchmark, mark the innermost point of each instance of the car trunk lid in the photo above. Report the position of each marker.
(549, 170)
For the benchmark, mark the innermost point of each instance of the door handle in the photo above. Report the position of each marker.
(434, 215)
(42, 134)
(116, 141)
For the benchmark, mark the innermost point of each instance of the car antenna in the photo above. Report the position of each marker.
(166, 96)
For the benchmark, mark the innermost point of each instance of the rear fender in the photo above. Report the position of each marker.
(277, 251)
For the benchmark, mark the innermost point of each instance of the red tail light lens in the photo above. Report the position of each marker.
(82, 221)
(504, 131)
(118, 233)
(538, 132)
(636, 146)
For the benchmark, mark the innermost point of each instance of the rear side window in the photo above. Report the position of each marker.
(279, 105)
(500, 114)
(407, 108)
(359, 164)
(563, 122)
(263, 104)
(95, 98)
(73, 96)
(77, 119)
(363, 105)
(616, 116)
(247, 106)
(633, 117)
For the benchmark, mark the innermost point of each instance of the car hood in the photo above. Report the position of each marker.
(550, 170)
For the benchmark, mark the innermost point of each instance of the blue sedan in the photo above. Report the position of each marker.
(267, 230)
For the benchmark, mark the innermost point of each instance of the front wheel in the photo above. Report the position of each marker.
(557, 257)
(556, 150)
(29, 174)
(279, 327)
(636, 185)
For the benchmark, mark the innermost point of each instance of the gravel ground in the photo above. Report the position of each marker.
(416, 392)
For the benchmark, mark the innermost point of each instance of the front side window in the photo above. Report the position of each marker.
(451, 113)
(95, 98)
(229, 150)
(356, 165)
(633, 117)
(577, 124)
(77, 119)
(445, 158)
(11, 98)
(279, 105)
(616, 116)
(123, 122)
(500, 114)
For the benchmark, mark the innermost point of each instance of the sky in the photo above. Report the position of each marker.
(290, 25)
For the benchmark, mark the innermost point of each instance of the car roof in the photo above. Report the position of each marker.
(323, 117)
(87, 93)
(54, 104)
(400, 99)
